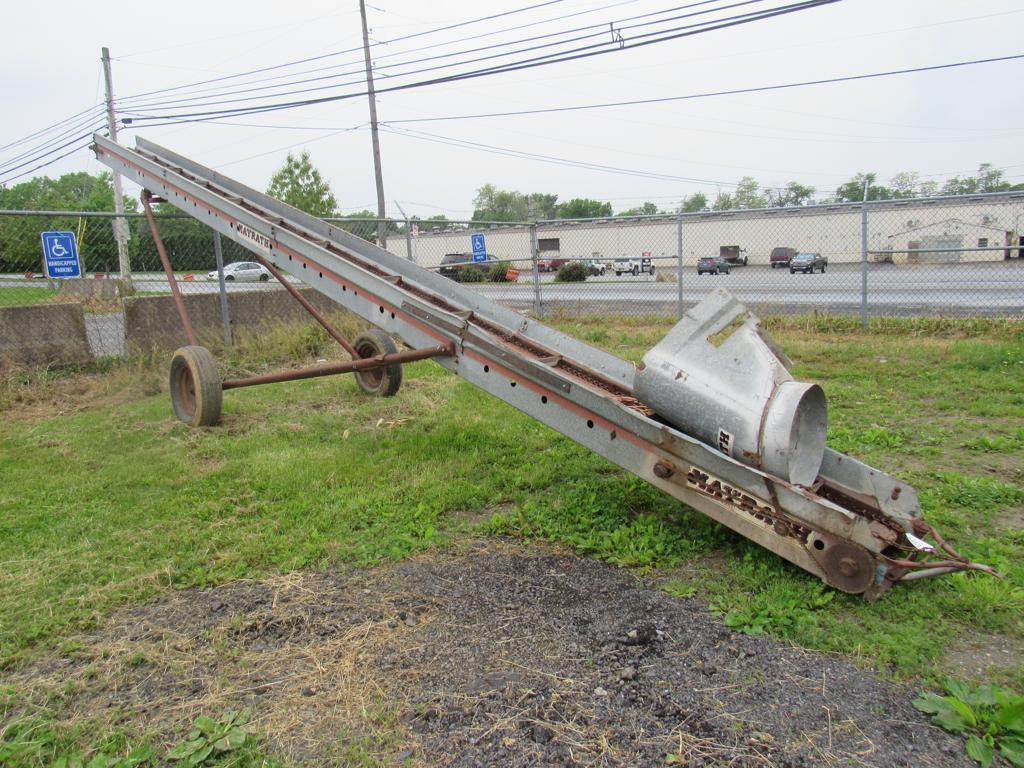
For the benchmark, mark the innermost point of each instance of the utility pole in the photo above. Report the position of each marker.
(120, 224)
(382, 227)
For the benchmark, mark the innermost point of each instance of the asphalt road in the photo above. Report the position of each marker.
(996, 286)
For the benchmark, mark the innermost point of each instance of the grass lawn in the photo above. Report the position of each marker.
(106, 500)
(23, 295)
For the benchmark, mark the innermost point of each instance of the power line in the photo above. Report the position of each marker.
(215, 99)
(40, 153)
(95, 108)
(350, 50)
(87, 141)
(492, 149)
(460, 41)
(710, 94)
(515, 66)
(88, 124)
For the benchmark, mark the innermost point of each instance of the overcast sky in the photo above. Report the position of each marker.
(936, 124)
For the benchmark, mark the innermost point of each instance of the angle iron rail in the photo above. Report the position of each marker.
(851, 528)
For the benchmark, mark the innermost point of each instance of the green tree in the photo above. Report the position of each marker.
(792, 194)
(80, 191)
(493, 204)
(584, 208)
(300, 184)
(545, 205)
(647, 209)
(723, 202)
(698, 201)
(853, 190)
(905, 184)
(748, 194)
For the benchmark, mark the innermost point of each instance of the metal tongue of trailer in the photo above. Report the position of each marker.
(711, 417)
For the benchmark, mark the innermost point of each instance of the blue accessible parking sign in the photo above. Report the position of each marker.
(60, 255)
(479, 247)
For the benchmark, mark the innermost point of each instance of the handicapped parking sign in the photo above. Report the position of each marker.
(60, 254)
(479, 247)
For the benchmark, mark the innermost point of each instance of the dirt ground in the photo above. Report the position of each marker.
(498, 654)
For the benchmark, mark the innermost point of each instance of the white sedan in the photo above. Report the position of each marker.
(243, 270)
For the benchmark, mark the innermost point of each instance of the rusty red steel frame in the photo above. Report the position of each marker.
(179, 302)
(357, 363)
(351, 366)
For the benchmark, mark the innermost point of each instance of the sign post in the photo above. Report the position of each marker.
(60, 255)
(479, 247)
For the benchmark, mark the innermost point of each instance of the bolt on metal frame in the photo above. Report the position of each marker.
(854, 527)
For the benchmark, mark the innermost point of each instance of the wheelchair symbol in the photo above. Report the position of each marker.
(58, 249)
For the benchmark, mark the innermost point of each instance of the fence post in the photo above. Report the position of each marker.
(224, 314)
(864, 258)
(408, 239)
(537, 306)
(679, 262)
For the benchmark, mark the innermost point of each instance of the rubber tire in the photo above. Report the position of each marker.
(383, 382)
(636, 271)
(823, 268)
(228, 277)
(264, 278)
(196, 393)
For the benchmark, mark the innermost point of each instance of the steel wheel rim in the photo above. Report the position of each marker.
(373, 378)
(186, 387)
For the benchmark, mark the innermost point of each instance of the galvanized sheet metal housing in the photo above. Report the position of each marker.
(717, 377)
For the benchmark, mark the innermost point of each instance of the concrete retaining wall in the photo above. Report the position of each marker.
(43, 334)
(91, 288)
(151, 322)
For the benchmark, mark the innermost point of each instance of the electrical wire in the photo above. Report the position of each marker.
(379, 70)
(50, 128)
(320, 57)
(552, 159)
(710, 94)
(461, 42)
(516, 66)
(88, 125)
(216, 98)
(88, 140)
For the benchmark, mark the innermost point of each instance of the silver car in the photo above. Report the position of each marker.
(243, 270)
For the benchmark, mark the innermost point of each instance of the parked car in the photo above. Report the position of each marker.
(243, 270)
(807, 262)
(629, 266)
(781, 256)
(713, 265)
(594, 266)
(452, 264)
(733, 255)
(551, 265)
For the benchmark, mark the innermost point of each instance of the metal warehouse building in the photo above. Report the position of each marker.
(893, 226)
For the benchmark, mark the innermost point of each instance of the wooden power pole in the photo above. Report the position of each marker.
(120, 224)
(382, 226)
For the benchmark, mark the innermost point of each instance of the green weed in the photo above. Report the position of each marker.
(992, 719)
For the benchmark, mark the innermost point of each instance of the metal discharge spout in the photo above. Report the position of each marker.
(718, 377)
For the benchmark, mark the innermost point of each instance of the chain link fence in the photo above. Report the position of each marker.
(939, 256)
